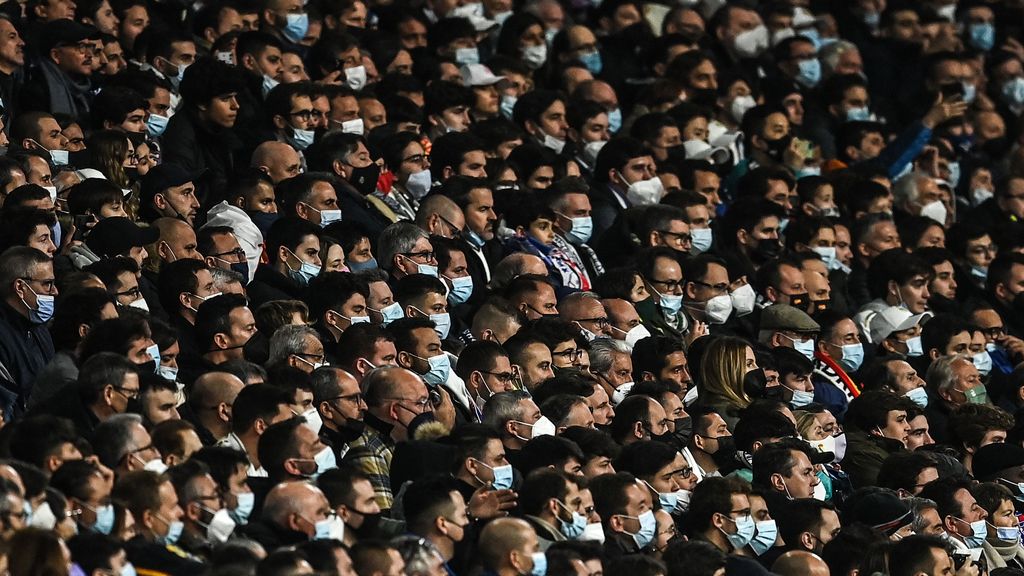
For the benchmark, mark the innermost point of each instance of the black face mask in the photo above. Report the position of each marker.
(725, 456)
(134, 406)
(773, 393)
(132, 172)
(682, 434)
(369, 528)
(365, 179)
(146, 367)
(767, 249)
(351, 429)
(799, 300)
(819, 306)
(754, 383)
(776, 149)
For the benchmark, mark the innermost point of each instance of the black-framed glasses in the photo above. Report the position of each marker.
(133, 292)
(48, 284)
(306, 115)
(420, 159)
(602, 322)
(670, 284)
(572, 354)
(504, 377)
(721, 288)
(353, 398)
(237, 253)
(129, 393)
(683, 237)
(994, 332)
(426, 255)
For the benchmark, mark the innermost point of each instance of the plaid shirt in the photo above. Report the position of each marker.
(372, 453)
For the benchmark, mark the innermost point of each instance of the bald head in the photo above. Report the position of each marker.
(290, 499)
(213, 388)
(800, 563)
(580, 305)
(440, 216)
(514, 265)
(499, 538)
(622, 316)
(279, 160)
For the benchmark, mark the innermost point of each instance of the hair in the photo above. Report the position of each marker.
(255, 402)
(913, 555)
(222, 462)
(969, 424)
(900, 470)
(723, 368)
(943, 493)
(113, 440)
(713, 496)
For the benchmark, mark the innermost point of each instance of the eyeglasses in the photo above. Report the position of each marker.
(670, 284)
(48, 284)
(237, 253)
(133, 292)
(572, 354)
(602, 323)
(425, 255)
(315, 357)
(994, 332)
(721, 288)
(420, 159)
(504, 377)
(353, 398)
(307, 115)
(129, 393)
(683, 237)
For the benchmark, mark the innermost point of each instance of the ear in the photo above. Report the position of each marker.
(807, 540)
(945, 395)
(933, 354)
(757, 445)
(777, 482)
(279, 122)
(108, 394)
(83, 330)
(646, 376)
(742, 237)
(448, 172)
(510, 428)
(531, 127)
(282, 254)
(404, 359)
(53, 462)
(209, 35)
(268, 16)
(289, 467)
(691, 291)
(220, 340)
(853, 152)
(159, 201)
(259, 426)
(183, 300)
(638, 429)
(55, 55)
(653, 238)
(949, 524)
(247, 61)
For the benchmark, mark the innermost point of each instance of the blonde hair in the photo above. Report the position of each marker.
(723, 367)
(805, 421)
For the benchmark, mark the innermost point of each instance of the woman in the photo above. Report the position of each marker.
(725, 387)
(37, 552)
(332, 254)
(113, 154)
(1003, 526)
(522, 38)
(405, 158)
(358, 253)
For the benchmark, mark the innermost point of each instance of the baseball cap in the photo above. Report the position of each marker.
(478, 75)
(164, 176)
(893, 319)
(117, 235)
(786, 317)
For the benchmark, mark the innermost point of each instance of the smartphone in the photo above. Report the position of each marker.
(951, 91)
(83, 221)
(959, 560)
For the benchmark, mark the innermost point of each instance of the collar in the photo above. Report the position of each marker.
(378, 425)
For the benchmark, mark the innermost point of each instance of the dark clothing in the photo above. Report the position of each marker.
(148, 282)
(272, 536)
(617, 545)
(937, 414)
(190, 144)
(25, 348)
(605, 207)
(269, 284)
(67, 403)
(52, 90)
(158, 558)
(865, 454)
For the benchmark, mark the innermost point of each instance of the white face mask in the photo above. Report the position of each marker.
(740, 105)
(936, 211)
(743, 300)
(718, 309)
(535, 56)
(555, 144)
(353, 126)
(645, 192)
(751, 43)
(356, 77)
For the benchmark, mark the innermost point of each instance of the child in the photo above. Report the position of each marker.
(534, 225)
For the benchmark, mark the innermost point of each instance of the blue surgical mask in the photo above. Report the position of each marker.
(462, 289)
(43, 311)
(474, 239)
(302, 139)
(325, 460)
(764, 536)
(246, 504)
(574, 528)
(154, 352)
(540, 564)
(858, 114)
(370, 264)
(979, 531)
(1013, 91)
(268, 84)
(442, 324)
(983, 362)
(391, 313)
(970, 92)
(853, 357)
(809, 73)
(104, 519)
(800, 398)
(305, 273)
(440, 367)
(805, 347)
(174, 529)
(168, 372)
(914, 347)
(592, 60)
(918, 396)
(615, 120)
(467, 55)
(701, 239)
(508, 104)
(156, 124)
(744, 532)
(582, 229)
(982, 36)
(648, 529)
(502, 476)
(296, 27)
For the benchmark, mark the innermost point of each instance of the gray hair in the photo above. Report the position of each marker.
(19, 262)
(603, 351)
(324, 381)
(419, 555)
(113, 440)
(504, 407)
(905, 191)
(8, 489)
(940, 373)
(918, 506)
(830, 55)
(509, 268)
(288, 340)
(223, 278)
(398, 238)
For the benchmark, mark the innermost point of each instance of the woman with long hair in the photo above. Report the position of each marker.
(723, 369)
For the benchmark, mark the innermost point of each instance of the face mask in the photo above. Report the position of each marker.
(979, 531)
(914, 346)
(296, 27)
(155, 465)
(442, 324)
(861, 114)
(976, 395)
(751, 43)
(174, 530)
(828, 254)
(591, 150)
(353, 126)
(701, 238)
(744, 532)
(970, 92)
(246, 503)
(764, 536)
(268, 85)
(332, 528)
(936, 211)
(440, 366)
(225, 57)
(820, 490)
(800, 398)
(540, 564)
(645, 192)
(980, 195)
(805, 347)
(718, 309)
(740, 105)
(508, 104)
(502, 476)
(305, 273)
(725, 455)
(809, 73)
(743, 300)
(302, 139)
(1013, 91)
(573, 529)
(52, 191)
(462, 289)
(535, 56)
(636, 334)
(391, 313)
(43, 311)
(615, 120)
(327, 217)
(355, 78)
(419, 183)
(467, 55)
(500, 17)
(671, 303)
(691, 396)
(594, 532)
(1011, 534)
(872, 19)
(853, 357)
(154, 353)
(542, 427)
(220, 527)
(552, 143)
(370, 264)
(983, 362)
(582, 228)
(592, 60)
(648, 529)
(104, 519)
(918, 396)
(156, 124)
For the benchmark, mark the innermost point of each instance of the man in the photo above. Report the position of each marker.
(29, 287)
(706, 293)
(278, 160)
(839, 354)
(496, 320)
(177, 241)
(784, 325)
(623, 504)
(974, 426)
(293, 250)
(533, 295)
(340, 406)
(711, 447)
(224, 324)
(509, 547)
(312, 197)
(151, 498)
(661, 358)
(531, 355)
(435, 510)
(337, 300)
(88, 485)
(919, 554)
(394, 398)
(293, 513)
(1005, 278)
(286, 21)
(381, 303)
(206, 521)
(363, 348)
(126, 446)
(808, 525)
(785, 471)
(256, 408)
(517, 418)
(298, 346)
(351, 497)
(419, 350)
(184, 285)
(476, 200)
(12, 58)
(106, 384)
(170, 190)
(953, 381)
(584, 310)
(485, 368)
(551, 503)
(663, 469)
(574, 224)
(963, 519)
(876, 426)
(423, 297)
(210, 405)
(403, 249)
(663, 277)
(720, 514)
(289, 108)
(222, 250)
(750, 234)
(624, 322)
(291, 451)
(65, 47)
